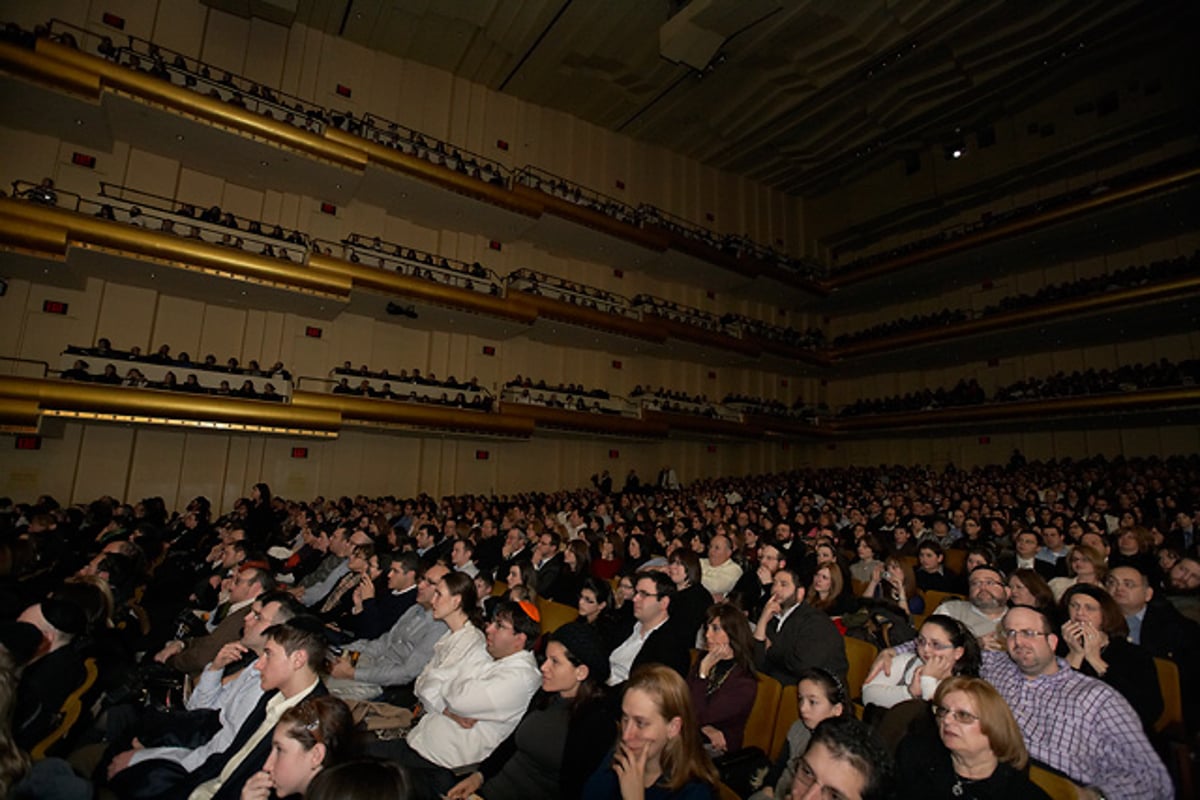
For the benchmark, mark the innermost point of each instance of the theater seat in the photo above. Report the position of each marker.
(1053, 784)
(555, 615)
(70, 712)
(760, 725)
(860, 655)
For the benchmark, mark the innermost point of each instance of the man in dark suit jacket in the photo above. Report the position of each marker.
(654, 639)
(792, 636)
(289, 663)
(1158, 627)
(547, 562)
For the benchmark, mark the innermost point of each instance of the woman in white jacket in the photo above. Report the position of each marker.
(944, 647)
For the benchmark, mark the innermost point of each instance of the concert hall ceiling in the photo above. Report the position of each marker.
(798, 94)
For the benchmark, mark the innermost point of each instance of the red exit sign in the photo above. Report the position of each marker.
(54, 307)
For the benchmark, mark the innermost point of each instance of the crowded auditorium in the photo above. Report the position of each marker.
(599, 400)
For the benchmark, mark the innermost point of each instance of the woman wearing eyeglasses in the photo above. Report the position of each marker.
(978, 753)
(944, 648)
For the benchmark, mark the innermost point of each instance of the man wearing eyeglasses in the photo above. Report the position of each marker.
(654, 640)
(981, 612)
(845, 760)
(1072, 723)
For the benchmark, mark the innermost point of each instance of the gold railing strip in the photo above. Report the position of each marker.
(181, 99)
(31, 235)
(68, 398)
(446, 178)
(360, 409)
(168, 248)
(548, 307)
(28, 64)
(388, 282)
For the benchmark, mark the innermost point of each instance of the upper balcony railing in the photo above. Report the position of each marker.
(557, 186)
(577, 294)
(387, 133)
(373, 251)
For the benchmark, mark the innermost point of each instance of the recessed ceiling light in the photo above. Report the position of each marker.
(179, 137)
(79, 122)
(264, 163)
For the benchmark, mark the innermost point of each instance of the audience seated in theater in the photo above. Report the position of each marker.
(292, 657)
(472, 705)
(397, 657)
(565, 731)
(792, 636)
(1070, 722)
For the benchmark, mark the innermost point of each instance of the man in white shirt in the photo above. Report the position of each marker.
(653, 640)
(476, 711)
(462, 554)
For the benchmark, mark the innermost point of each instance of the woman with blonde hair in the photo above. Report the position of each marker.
(1084, 565)
(979, 752)
(659, 754)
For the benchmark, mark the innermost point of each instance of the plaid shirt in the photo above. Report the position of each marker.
(1081, 727)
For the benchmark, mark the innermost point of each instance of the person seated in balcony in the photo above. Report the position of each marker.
(110, 376)
(43, 193)
(162, 355)
(136, 219)
(364, 388)
(223, 390)
(213, 214)
(77, 372)
(384, 393)
(269, 393)
(210, 362)
(169, 382)
(232, 365)
(106, 212)
(191, 385)
(344, 387)
(187, 210)
(135, 378)
(246, 391)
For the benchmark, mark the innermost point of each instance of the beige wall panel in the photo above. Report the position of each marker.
(30, 15)
(200, 189)
(239, 475)
(225, 42)
(1067, 360)
(267, 43)
(1103, 442)
(175, 324)
(202, 468)
(181, 26)
(242, 201)
(157, 464)
(430, 467)
(127, 315)
(1137, 442)
(222, 332)
(29, 157)
(1130, 353)
(104, 461)
(151, 173)
(43, 336)
(25, 474)
(252, 342)
(304, 355)
(81, 180)
(13, 313)
(472, 475)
